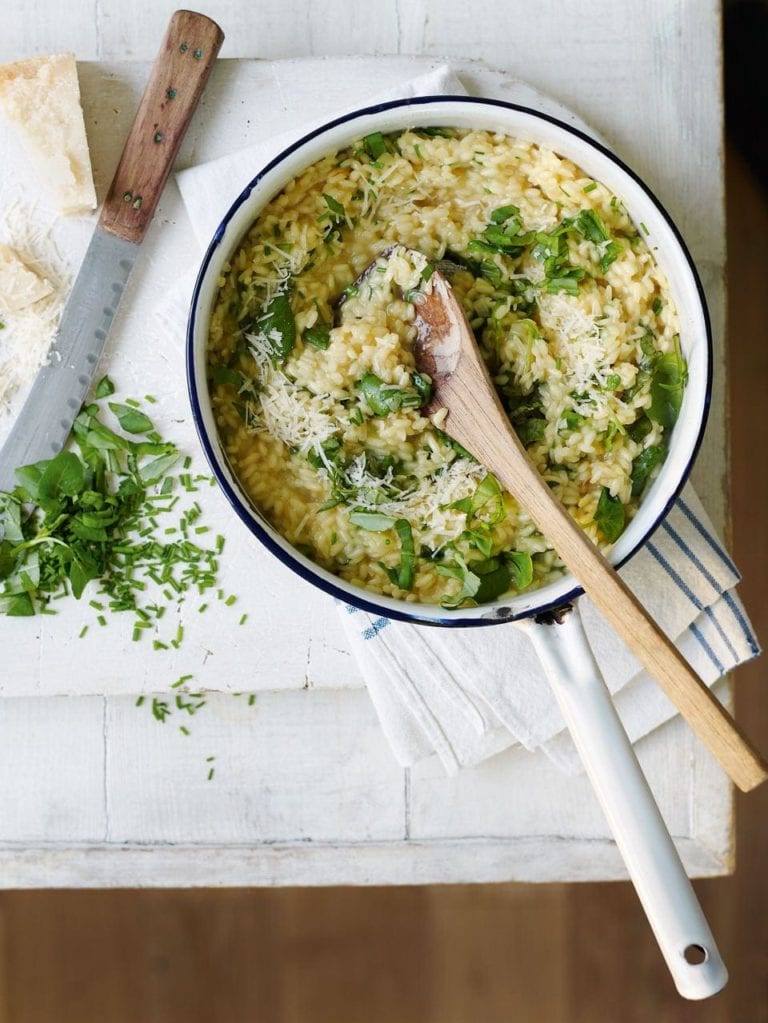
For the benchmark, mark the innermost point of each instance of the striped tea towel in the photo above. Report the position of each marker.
(465, 694)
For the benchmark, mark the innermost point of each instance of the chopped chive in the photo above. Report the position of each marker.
(82, 632)
(590, 187)
(243, 619)
(140, 700)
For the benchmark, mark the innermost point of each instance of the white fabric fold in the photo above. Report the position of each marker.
(466, 694)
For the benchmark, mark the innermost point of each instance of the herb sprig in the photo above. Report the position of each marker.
(91, 521)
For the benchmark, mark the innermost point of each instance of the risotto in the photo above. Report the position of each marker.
(321, 409)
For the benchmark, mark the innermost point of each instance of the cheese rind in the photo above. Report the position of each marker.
(20, 286)
(41, 97)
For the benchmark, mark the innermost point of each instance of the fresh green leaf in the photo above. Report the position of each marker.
(423, 387)
(278, 325)
(318, 335)
(62, 476)
(8, 559)
(591, 226)
(374, 522)
(384, 398)
(470, 583)
(610, 516)
(609, 255)
(104, 388)
(494, 577)
(531, 431)
(643, 466)
(670, 375)
(571, 419)
(131, 419)
(334, 206)
(444, 133)
(503, 213)
(17, 605)
(407, 567)
(521, 566)
(375, 145)
(29, 477)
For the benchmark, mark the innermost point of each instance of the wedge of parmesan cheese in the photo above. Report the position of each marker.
(20, 286)
(41, 97)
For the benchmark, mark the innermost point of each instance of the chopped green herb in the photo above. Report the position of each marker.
(104, 388)
(375, 145)
(668, 380)
(590, 187)
(657, 305)
(318, 335)
(385, 398)
(643, 466)
(277, 326)
(131, 419)
(374, 522)
(610, 516)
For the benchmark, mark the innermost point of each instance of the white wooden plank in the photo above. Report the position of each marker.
(308, 766)
(52, 770)
(311, 864)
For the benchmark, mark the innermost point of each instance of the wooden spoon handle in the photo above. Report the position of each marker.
(494, 442)
(180, 71)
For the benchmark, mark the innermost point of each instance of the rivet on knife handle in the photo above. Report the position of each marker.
(180, 71)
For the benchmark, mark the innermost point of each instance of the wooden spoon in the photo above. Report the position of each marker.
(447, 351)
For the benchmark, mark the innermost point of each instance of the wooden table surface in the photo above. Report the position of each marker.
(94, 793)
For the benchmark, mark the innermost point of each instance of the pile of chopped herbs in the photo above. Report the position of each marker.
(107, 521)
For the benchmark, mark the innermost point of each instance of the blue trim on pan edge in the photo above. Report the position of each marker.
(235, 499)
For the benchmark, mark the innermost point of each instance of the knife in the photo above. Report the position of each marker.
(176, 82)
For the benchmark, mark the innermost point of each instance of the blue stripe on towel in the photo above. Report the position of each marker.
(709, 578)
(721, 632)
(375, 628)
(708, 649)
(692, 557)
(685, 589)
(706, 535)
(748, 634)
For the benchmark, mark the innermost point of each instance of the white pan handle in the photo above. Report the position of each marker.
(650, 856)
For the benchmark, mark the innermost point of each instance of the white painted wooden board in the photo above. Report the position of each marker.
(95, 792)
(144, 357)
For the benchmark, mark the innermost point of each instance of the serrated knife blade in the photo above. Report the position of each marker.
(186, 58)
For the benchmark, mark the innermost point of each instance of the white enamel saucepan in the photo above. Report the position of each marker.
(548, 615)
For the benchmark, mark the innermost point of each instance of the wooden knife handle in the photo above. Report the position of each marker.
(175, 85)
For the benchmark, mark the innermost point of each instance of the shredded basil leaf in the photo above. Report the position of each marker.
(643, 466)
(278, 326)
(318, 335)
(131, 419)
(104, 388)
(670, 375)
(375, 145)
(610, 516)
(384, 398)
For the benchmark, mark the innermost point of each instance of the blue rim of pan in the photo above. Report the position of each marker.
(240, 504)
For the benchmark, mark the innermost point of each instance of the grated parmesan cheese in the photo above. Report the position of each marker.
(29, 326)
(290, 413)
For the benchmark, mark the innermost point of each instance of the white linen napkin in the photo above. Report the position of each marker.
(466, 694)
